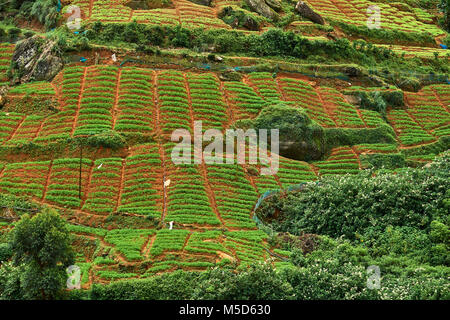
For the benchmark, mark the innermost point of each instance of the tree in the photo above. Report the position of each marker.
(445, 8)
(42, 252)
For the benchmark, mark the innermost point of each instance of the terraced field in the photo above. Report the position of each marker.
(210, 206)
(186, 13)
(396, 16)
(95, 142)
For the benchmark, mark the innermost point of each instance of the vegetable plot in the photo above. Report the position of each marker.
(265, 85)
(173, 102)
(196, 16)
(429, 109)
(408, 131)
(25, 179)
(63, 187)
(6, 52)
(9, 123)
(187, 200)
(60, 125)
(243, 100)
(94, 114)
(207, 101)
(234, 195)
(104, 186)
(306, 97)
(342, 161)
(392, 17)
(293, 172)
(135, 105)
(142, 182)
(344, 114)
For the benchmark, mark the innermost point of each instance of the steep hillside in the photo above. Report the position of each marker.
(94, 142)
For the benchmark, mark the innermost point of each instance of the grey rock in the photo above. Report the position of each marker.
(274, 4)
(260, 6)
(202, 2)
(251, 24)
(305, 11)
(35, 59)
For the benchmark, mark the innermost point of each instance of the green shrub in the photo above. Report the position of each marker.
(349, 205)
(107, 139)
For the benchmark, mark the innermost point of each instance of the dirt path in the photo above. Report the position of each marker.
(157, 113)
(83, 83)
(186, 242)
(210, 192)
(357, 157)
(413, 118)
(58, 95)
(358, 111)
(47, 180)
(177, 9)
(88, 186)
(148, 246)
(114, 111)
(439, 99)
(230, 107)
(91, 4)
(163, 166)
(191, 110)
(326, 107)
(277, 180)
(122, 179)
(280, 89)
(16, 129)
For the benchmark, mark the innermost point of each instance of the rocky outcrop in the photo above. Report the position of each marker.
(299, 137)
(35, 59)
(239, 18)
(261, 7)
(274, 4)
(305, 11)
(202, 2)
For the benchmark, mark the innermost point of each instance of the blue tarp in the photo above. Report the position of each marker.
(443, 46)
(83, 59)
(58, 7)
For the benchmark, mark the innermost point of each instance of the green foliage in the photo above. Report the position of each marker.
(41, 253)
(336, 137)
(107, 139)
(386, 35)
(349, 205)
(379, 100)
(300, 137)
(380, 160)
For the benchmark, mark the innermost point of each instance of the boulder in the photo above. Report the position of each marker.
(238, 18)
(300, 137)
(36, 59)
(260, 6)
(202, 2)
(305, 11)
(274, 4)
(250, 24)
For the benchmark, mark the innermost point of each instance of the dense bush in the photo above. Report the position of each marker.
(349, 205)
(335, 137)
(271, 43)
(300, 137)
(41, 253)
(107, 139)
(386, 35)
